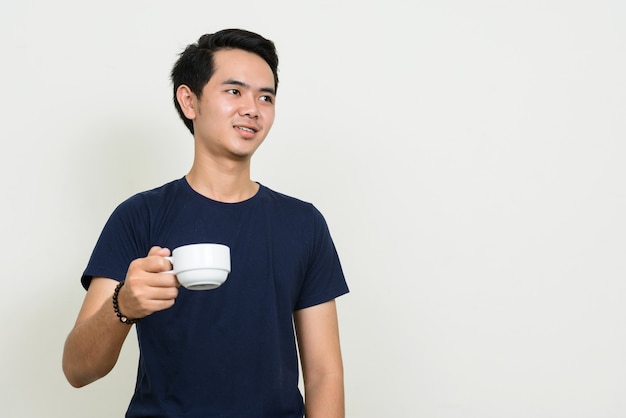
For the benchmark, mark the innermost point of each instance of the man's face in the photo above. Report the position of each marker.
(236, 110)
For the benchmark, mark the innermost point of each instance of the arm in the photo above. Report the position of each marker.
(94, 344)
(322, 367)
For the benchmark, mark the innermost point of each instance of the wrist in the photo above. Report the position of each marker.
(116, 307)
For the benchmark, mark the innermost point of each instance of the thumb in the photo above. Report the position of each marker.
(156, 250)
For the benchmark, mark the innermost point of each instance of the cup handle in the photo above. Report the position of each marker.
(171, 260)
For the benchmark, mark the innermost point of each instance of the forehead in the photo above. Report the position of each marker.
(243, 66)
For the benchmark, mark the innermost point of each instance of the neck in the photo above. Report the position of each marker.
(224, 181)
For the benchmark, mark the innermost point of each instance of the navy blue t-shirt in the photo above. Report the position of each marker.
(231, 351)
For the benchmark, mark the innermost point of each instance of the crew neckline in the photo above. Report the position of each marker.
(184, 181)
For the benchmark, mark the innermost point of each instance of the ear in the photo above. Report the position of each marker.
(187, 101)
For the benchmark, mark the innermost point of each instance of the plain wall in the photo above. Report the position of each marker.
(468, 156)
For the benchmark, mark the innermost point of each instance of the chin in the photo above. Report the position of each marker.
(244, 152)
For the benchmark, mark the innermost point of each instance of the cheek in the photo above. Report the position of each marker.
(224, 111)
(268, 117)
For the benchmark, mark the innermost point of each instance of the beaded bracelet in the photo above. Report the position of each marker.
(123, 319)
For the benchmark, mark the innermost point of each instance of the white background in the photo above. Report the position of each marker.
(469, 158)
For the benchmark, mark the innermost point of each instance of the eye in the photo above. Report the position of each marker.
(233, 91)
(267, 98)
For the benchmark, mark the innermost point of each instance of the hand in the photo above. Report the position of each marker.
(147, 289)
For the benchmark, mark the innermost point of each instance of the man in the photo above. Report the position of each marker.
(228, 352)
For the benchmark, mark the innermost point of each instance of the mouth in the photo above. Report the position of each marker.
(247, 129)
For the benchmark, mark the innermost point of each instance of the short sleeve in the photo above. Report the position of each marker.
(324, 279)
(123, 239)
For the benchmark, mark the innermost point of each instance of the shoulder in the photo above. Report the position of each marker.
(152, 197)
(281, 199)
(293, 212)
(287, 205)
(163, 192)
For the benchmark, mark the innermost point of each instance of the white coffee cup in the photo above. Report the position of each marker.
(200, 266)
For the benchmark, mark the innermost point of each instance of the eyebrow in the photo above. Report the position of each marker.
(234, 82)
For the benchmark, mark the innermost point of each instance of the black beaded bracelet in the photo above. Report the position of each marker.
(123, 319)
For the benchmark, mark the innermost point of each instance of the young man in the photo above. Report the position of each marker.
(228, 352)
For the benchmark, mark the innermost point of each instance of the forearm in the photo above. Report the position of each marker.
(93, 346)
(324, 397)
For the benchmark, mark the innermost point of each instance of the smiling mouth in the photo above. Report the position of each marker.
(243, 128)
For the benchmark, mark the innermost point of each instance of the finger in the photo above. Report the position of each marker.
(164, 294)
(156, 261)
(158, 251)
(163, 279)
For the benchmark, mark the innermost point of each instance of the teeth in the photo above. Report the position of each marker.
(246, 129)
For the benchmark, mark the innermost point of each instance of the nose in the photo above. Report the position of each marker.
(249, 108)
